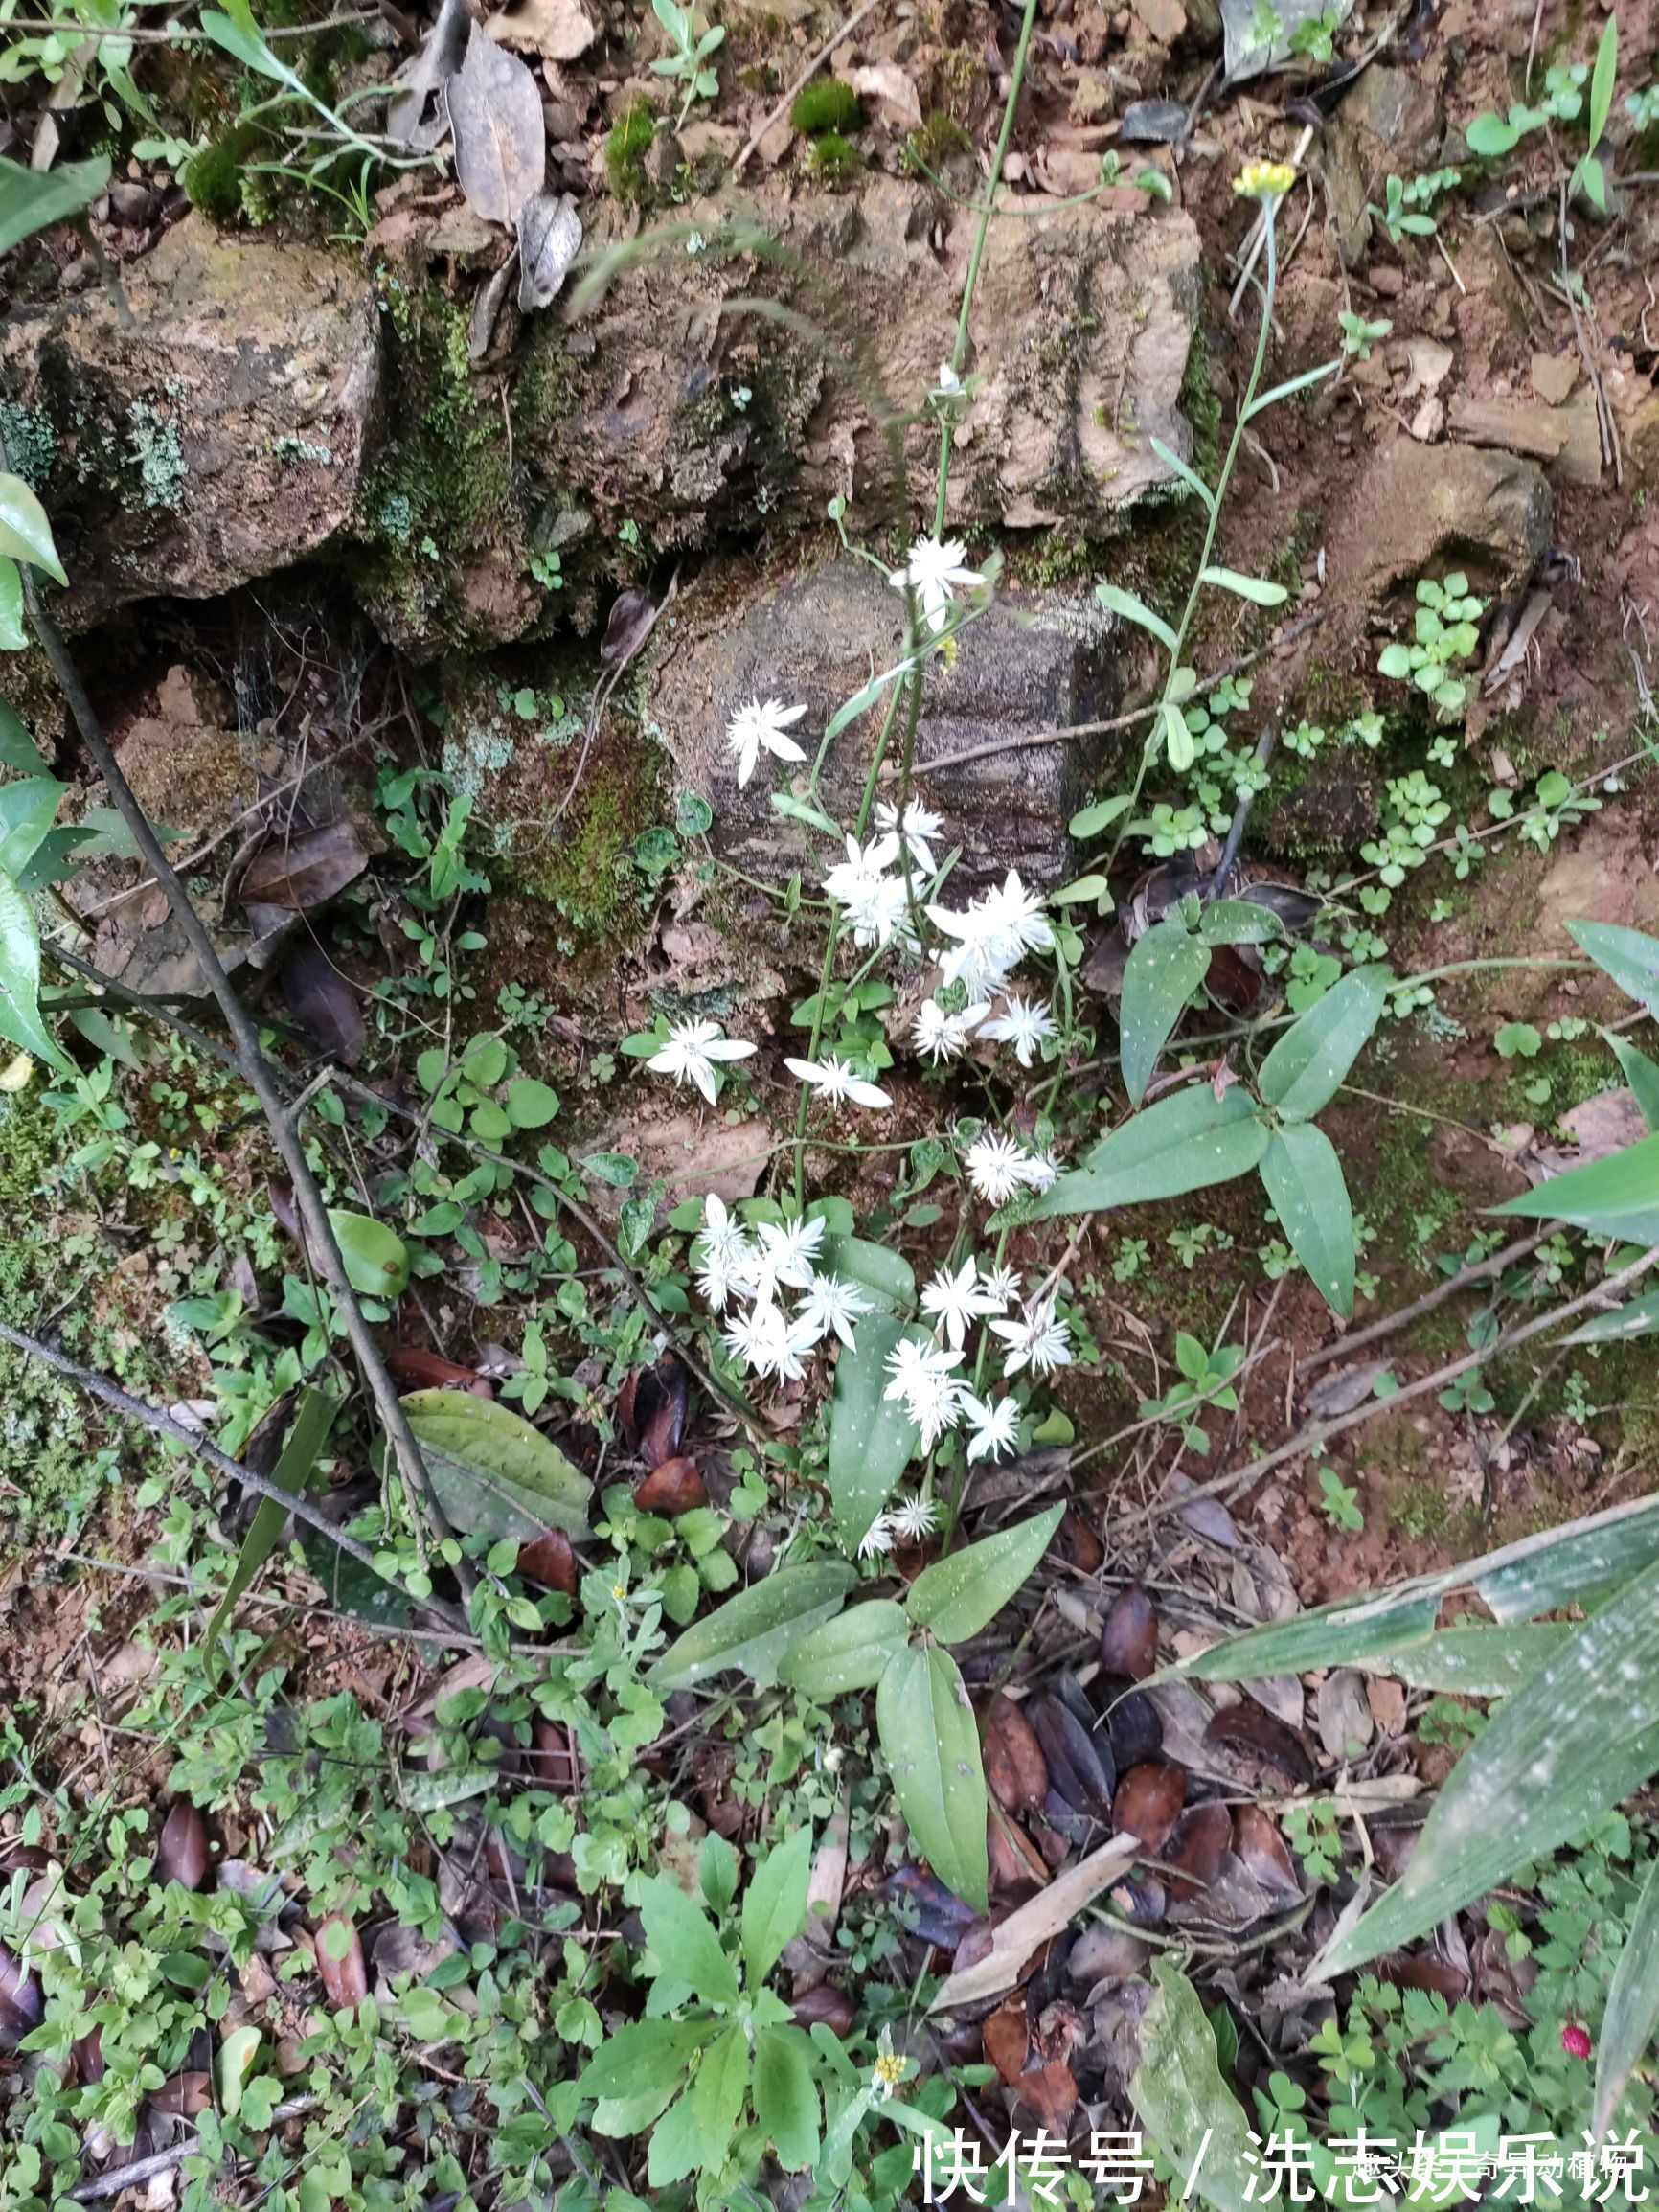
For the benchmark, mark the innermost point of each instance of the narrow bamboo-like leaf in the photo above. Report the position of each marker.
(1182, 2103)
(1184, 1143)
(930, 1742)
(31, 198)
(21, 976)
(1603, 80)
(1304, 1181)
(1289, 388)
(1642, 1074)
(313, 1418)
(1577, 1736)
(1350, 1633)
(1306, 1067)
(492, 1470)
(1632, 2002)
(25, 534)
(871, 1435)
(1189, 478)
(1629, 957)
(1125, 603)
(1257, 589)
(1165, 968)
(1578, 1563)
(862, 701)
(955, 1597)
(1636, 1317)
(13, 637)
(1478, 1662)
(1616, 1196)
(753, 1630)
(795, 809)
(851, 1651)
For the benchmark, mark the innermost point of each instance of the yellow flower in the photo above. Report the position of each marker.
(889, 2070)
(1264, 181)
(618, 1591)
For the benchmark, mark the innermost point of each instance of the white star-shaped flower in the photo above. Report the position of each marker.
(957, 1301)
(912, 1519)
(993, 1426)
(760, 725)
(786, 1254)
(1025, 1023)
(911, 832)
(922, 1380)
(692, 1051)
(935, 572)
(1041, 1170)
(834, 1079)
(995, 1168)
(993, 933)
(877, 1539)
(1002, 1284)
(942, 1036)
(831, 1307)
(767, 1344)
(876, 903)
(1037, 1339)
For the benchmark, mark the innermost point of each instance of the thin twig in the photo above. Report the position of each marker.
(254, 1069)
(119, 2178)
(1464, 1279)
(818, 59)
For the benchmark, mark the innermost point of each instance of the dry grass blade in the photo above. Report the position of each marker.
(1034, 1924)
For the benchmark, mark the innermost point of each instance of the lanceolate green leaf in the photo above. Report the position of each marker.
(1603, 80)
(754, 1630)
(785, 2094)
(1189, 478)
(1165, 968)
(1182, 1144)
(1350, 1633)
(25, 534)
(698, 2129)
(1629, 957)
(871, 1435)
(955, 1597)
(1636, 1317)
(1578, 1736)
(21, 976)
(682, 1938)
(13, 637)
(1304, 1181)
(851, 1652)
(775, 1906)
(29, 199)
(492, 1470)
(931, 1744)
(636, 2071)
(1306, 1067)
(1616, 1196)
(884, 1273)
(27, 808)
(313, 1418)
(1255, 588)
(1483, 1661)
(1632, 2005)
(18, 751)
(1185, 2105)
(1642, 1075)
(1116, 601)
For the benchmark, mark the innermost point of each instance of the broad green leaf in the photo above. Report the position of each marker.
(492, 1470)
(376, 1261)
(637, 2070)
(1189, 478)
(1304, 1181)
(530, 1104)
(851, 1652)
(871, 1435)
(1603, 80)
(1629, 957)
(620, 1170)
(785, 2095)
(31, 199)
(1119, 601)
(1165, 968)
(13, 637)
(1182, 2103)
(1184, 1143)
(21, 976)
(682, 1937)
(930, 1742)
(1633, 2001)
(1090, 821)
(17, 748)
(753, 1630)
(698, 2130)
(955, 1597)
(718, 1873)
(1616, 1196)
(313, 1418)
(27, 808)
(1306, 1067)
(1238, 921)
(1479, 1662)
(237, 2054)
(55, 858)
(1257, 589)
(25, 534)
(1177, 737)
(1577, 1563)
(872, 1267)
(1636, 1317)
(775, 1906)
(1642, 1074)
(1488, 137)
(110, 1038)
(1577, 1736)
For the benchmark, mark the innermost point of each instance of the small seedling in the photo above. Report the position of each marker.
(690, 54)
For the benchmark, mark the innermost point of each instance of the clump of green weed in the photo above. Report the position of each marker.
(626, 148)
(932, 144)
(827, 107)
(834, 160)
(212, 176)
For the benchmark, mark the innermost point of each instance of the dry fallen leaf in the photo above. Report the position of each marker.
(1032, 1924)
(549, 241)
(500, 137)
(417, 117)
(890, 86)
(557, 30)
(300, 873)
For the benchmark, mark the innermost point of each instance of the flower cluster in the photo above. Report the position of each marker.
(754, 1271)
(925, 1377)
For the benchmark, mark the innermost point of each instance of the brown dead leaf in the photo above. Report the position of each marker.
(1032, 1924)
(828, 2004)
(1049, 2094)
(323, 1003)
(1262, 1851)
(22, 2006)
(1148, 1802)
(673, 1487)
(184, 2096)
(500, 138)
(1008, 2040)
(550, 1561)
(1013, 1860)
(1129, 1634)
(557, 30)
(1015, 1770)
(298, 874)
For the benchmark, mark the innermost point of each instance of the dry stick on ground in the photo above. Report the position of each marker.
(806, 75)
(1321, 1432)
(119, 2178)
(1464, 1279)
(151, 1417)
(256, 1072)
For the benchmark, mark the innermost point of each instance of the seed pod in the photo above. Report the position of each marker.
(828, 2004)
(1076, 1766)
(1129, 1634)
(1015, 1770)
(181, 1855)
(1148, 1802)
(672, 1487)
